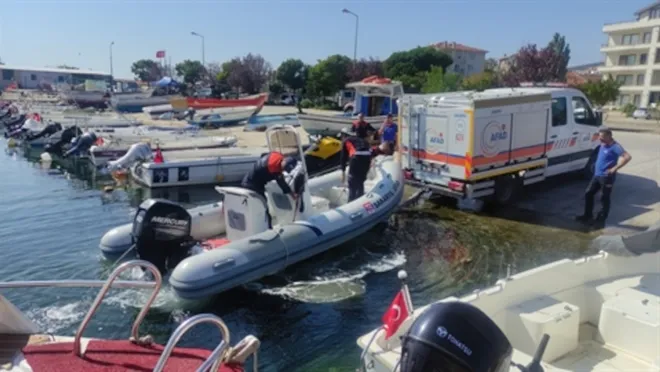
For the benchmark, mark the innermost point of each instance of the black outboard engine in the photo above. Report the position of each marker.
(66, 136)
(50, 129)
(83, 144)
(455, 337)
(161, 233)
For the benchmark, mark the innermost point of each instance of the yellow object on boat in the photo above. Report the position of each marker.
(11, 143)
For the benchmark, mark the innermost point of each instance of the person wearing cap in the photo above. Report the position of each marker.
(356, 154)
(361, 127)
(387, 133)
(270, 167)
(611, 158)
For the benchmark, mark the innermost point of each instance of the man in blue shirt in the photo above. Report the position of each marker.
(611, 158)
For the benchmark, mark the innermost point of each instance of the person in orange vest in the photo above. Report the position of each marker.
(361, 127)
(356, 154)
(270, 167)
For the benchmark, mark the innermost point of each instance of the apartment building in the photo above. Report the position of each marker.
(467, 60)
(632, 57)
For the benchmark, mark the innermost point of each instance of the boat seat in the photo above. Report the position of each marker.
(320, 204)
(630, 315)
(533, 318)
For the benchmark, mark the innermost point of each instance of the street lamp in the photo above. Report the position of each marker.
(111, 44)
(357, 23)
(202, 36)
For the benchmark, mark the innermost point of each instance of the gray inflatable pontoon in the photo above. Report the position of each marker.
(248, 250)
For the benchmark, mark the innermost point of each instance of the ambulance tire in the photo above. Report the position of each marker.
(507, 189)
(590, 168)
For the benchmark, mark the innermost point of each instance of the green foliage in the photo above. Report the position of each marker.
(276, 88)
(147, 70)
(410, 66)
(629, 109)
(306, 103)
(559, 45)
(601, 92)
(190, 71)
(293, 73)
(482, 81)
(328, 76)
(438, 81)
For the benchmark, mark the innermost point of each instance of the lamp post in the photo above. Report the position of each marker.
(201, 36)
(357, 24)
(111, 44)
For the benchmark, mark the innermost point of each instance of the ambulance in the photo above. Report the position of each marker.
(487, 145)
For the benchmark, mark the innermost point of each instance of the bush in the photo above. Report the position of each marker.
(629, 109)
(306, 103)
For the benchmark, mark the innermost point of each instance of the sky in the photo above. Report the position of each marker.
(48, 33)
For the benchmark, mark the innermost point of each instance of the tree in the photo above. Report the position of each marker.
(439, 81)
(67, 67)
(410, 66)
(275, 88)
(481, 81)
(190, 71)
(248, 74)
(329, 75)
(147, 70)
(559, 46)
(601, 92)
(533, 65)
(491, 65)
(292, 73)
(364, 68)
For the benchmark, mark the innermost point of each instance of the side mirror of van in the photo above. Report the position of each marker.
(599, 118)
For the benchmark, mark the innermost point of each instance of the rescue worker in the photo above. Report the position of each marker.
(611, 158)
(356, 153)
(270, 167)
(362, 127)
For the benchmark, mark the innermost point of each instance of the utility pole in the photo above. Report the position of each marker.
(357, 24)
(202, 37)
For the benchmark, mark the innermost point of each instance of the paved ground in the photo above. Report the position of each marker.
(635, 198)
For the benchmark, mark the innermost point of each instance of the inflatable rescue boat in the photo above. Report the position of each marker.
(216, 247)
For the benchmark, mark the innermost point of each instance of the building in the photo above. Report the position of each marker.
(632, 56)
(467, 60)
(504, 64)
(36, 78)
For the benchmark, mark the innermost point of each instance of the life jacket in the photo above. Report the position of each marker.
(356, 153)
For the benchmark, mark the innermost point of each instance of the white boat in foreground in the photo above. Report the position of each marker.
(601, 313)
(26, 348)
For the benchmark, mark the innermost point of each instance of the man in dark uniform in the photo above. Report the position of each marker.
(269, 168)
(611, 158)
(356, 153)
(362, 126)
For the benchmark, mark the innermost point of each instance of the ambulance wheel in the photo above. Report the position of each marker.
(507, 188)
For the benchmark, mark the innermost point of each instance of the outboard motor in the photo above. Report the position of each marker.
(455, 336)
(65, 138)
(48, 131)
(83, 144)
(161, 233)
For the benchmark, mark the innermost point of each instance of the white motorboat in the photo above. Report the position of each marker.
(601, 312)
(223, 116)
(375, 98)
(243, 248)
(24, 347)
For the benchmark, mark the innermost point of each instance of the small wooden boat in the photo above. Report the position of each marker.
(208, 103)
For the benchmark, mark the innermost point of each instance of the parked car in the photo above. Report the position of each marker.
(641, 113)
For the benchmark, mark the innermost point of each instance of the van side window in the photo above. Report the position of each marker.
(559, 112)
(582, 113)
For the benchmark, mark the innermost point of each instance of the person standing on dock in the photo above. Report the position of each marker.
(270, 167)
(387, 133)
(611, 157)
(356, 153)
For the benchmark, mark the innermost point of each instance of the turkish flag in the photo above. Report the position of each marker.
(158, 158)
(395, 315)
(160, 54)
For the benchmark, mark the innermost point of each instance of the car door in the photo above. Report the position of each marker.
(559, 133)
(585, 134)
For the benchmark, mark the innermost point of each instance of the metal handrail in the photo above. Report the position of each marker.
(106, 287)
(76, 284)
(214, 359)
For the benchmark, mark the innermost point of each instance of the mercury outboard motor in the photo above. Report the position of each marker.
(66, 136)
(83, 144)
(161, 233)
(48, 131)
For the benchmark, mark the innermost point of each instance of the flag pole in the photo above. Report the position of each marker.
(403, 275)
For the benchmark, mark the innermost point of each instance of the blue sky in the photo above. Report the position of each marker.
(49, 33)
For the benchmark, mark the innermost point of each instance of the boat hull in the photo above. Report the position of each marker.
(210, 103)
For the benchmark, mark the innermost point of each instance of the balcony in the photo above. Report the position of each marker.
(631, 26)
(622, 68)
(607, 48)
(631, 88)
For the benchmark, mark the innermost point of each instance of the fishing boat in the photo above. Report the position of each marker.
(259, 123)
(225, 116)
(183, 103)
(228, 244)
(25, 347)
(375, 98)
(164, 90)
(601, 313)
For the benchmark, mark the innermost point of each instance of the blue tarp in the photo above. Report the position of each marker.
(166, 81)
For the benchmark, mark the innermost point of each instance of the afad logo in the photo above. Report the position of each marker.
(492, 138)
(434, 142)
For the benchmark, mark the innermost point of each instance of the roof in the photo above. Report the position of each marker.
(587, 66)
(647, 8)
(446, 45)
(54, 70)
